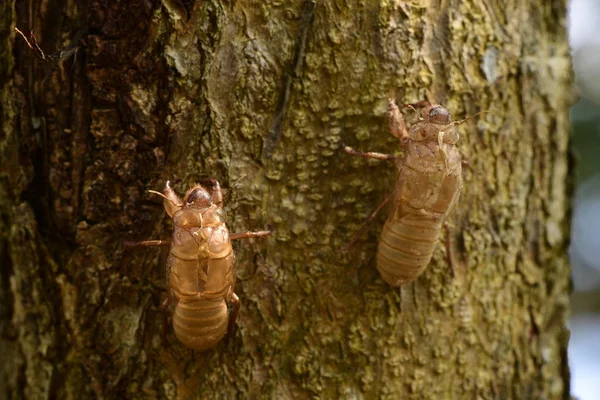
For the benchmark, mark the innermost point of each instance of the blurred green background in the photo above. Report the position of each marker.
(584, 346)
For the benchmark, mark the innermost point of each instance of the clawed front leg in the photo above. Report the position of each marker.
(397, 128)
(216, 193)
(171, 202)
(396, 122)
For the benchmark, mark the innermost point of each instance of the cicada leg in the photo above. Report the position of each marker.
(164, 308)
(236, 304)
(149, 243)
(369, 220)
(248, 235)
(449, 253)
(368, 154)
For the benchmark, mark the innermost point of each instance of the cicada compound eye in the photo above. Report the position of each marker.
(438, 115)
(199, 197)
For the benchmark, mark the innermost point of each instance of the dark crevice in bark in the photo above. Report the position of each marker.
(565, 371)
(38, 195)
(6, 296)
(80, 108)
(306, 21)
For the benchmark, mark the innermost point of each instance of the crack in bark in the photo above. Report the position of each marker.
(307, 18)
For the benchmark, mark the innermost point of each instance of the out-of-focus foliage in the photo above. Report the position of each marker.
(585, 44)
(585, 247)
(584, 351)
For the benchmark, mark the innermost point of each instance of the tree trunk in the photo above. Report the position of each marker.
(184, 89)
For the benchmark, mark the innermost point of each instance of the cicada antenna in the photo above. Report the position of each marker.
(230, 189)
(415, 111)
(414, 106)
(237, 182)
(469, 117)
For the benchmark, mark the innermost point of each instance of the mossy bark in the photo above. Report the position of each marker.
(184, 89)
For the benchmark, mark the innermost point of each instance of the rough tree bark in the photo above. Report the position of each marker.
(182, 89)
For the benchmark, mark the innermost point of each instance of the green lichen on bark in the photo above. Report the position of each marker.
(269, 90)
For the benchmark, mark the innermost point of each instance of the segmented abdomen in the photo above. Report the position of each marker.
(200, 324)
(405, 247)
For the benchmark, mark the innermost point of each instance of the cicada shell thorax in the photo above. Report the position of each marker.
(427, 189)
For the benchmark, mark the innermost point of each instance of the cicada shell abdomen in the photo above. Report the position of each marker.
(200, 324)
(427, 190)
(405, 248)
(200, 321)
